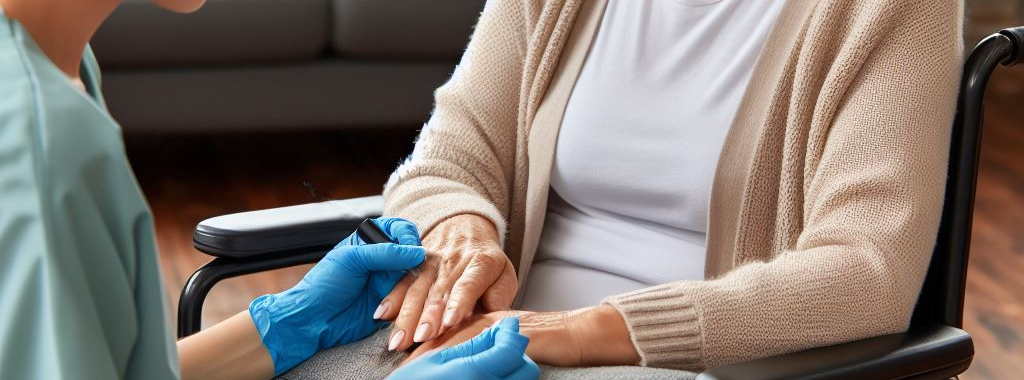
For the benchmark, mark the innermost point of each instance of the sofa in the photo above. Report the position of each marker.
(245, 65)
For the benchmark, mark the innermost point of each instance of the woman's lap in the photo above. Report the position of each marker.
(367, 359)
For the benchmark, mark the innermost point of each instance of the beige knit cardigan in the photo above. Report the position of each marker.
(827, 195)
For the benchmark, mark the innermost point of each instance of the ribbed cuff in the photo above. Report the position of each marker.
(664, 324)
(429, 210)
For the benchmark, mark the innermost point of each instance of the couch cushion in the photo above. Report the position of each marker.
(223, 31)
(325, 93)
(431, 29)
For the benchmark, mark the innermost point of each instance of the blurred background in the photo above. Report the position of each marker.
(253, 104)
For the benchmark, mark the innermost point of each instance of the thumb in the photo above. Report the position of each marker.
(509, 324)
(480, 343)
(506, 356)
(401, 230)
(384, 257)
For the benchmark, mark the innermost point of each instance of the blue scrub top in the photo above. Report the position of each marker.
(80, 291)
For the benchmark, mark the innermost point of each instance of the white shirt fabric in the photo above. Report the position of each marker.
(638, 146)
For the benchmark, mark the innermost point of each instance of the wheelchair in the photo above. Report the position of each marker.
(934, 347)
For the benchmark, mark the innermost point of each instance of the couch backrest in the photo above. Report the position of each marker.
(139, 34)
(410, 29)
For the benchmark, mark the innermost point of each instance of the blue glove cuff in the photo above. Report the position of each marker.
(288, 343)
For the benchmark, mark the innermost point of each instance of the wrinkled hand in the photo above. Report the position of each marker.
(465, 268)
(498, 353)
(333, 303)
(552, 340)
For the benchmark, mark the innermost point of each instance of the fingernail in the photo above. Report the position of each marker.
(449, 317)
(421, 332)
(381, 309)
(396, 339)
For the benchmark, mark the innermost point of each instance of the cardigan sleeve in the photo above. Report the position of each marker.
(873, 199)
(463, 162)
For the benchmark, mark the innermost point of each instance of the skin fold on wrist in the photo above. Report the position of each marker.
(603, 337)
(594, 336)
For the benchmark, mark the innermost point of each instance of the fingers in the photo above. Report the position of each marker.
(412, 307)
(509, 324)
(481, 274)
(528, 371)
(389, 306)
(430, 325)
(502, 293)
(382, 257)
(481, 342)
(507, 354)
(401, 230)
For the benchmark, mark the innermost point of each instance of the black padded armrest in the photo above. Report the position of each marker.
(938, 352)
(276, 230)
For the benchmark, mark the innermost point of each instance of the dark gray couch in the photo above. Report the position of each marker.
(273, 64)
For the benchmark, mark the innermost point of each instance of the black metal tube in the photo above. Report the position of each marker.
(948, 273)
(1016, 36)
(190, 305)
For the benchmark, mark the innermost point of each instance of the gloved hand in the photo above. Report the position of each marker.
(335, 301)
(498, 353)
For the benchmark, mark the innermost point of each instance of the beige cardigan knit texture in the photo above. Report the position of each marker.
(826, 199)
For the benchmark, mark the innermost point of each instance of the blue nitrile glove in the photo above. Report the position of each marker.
(498, 353)
(334, 302)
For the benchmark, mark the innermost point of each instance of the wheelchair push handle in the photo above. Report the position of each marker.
(1016, 36)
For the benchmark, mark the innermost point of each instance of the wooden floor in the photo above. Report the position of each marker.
(190, 179)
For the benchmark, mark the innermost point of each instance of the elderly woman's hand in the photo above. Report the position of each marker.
(465, 267)
(543, 329)
(591, 336)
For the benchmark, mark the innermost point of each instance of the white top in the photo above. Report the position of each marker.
(638, 147)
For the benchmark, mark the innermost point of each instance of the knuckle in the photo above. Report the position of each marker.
(432, 266)
(406, 281)
(490, 261)
(437, 291)
(466, 296)
(451, 263)
(419, 291)
(468, 285)
(432, 254)
(433, 303)
(408, 311)
(451, 254)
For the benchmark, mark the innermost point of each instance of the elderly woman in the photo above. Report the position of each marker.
(681, 183)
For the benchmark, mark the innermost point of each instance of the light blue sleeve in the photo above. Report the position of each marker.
(27, 346)
(80, 292)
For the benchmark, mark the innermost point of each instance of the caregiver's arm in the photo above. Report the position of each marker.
(331, 306)
(230, 350)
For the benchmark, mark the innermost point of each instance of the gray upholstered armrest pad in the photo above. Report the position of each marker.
(277, 230)
(939, 352)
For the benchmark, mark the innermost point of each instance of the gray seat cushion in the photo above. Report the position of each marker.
(408, 29)
(223, 31)
(367, 359)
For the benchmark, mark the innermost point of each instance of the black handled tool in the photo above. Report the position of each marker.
(371, 233)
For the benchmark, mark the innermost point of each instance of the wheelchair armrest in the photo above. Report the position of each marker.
(294, 228)
(937, 352)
